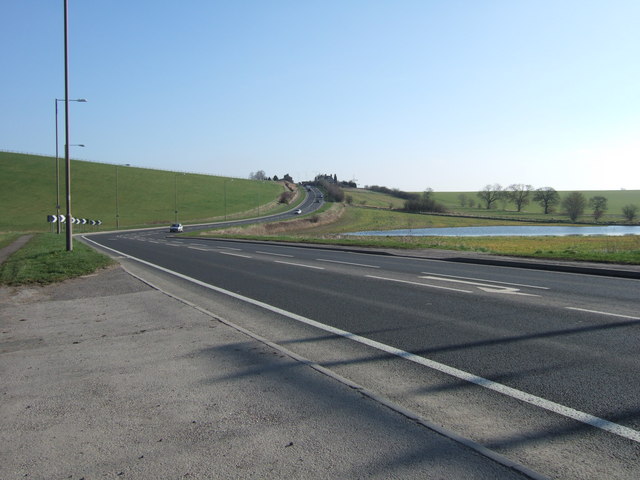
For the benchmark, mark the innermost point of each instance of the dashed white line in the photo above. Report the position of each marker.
(603, 313)
(347, 263)
(419, 284)
(485, 280)
(300, 265)
(201, 249)
(235, 254)
(275, 254)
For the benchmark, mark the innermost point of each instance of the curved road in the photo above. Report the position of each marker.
(539, 366)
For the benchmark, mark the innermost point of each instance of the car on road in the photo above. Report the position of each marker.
(298, 211)
(176, 228)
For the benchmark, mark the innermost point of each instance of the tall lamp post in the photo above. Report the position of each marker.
(83, 100)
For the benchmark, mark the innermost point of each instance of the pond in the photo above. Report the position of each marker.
(507, 231)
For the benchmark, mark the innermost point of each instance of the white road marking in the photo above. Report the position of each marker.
(347, 263)
(201, 249)
(275, 254)
(419, 284)
(485, 280)
(300, 265)
(540, 402)
(604, 313)
(484, 286)
(232, 248)
(235, 254)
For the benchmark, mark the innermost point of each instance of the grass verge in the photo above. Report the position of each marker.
(44, 260)
(7, 238)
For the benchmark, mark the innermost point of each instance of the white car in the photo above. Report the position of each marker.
(176, 228)
(298, 212)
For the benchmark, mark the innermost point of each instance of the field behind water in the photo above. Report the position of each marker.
(616, 200)
(144, 196)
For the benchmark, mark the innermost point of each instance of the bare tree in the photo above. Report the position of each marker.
(547, 197)
(574, 205)
(630, 212)
(462, 198)
(599, 205)
(490, 194)
(259, 175)
(519, 194)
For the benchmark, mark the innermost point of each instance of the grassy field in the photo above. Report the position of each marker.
(533, 212)
(44, 259)
(144, 196)
(616, 200)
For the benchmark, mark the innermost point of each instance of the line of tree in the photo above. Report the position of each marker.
(333, 180)
(424, 203)
(261, 175)
(394, 192)
(574, 204)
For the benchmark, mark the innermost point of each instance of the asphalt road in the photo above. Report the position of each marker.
(539, 366)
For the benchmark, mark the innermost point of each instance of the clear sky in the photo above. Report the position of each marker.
(447, 94)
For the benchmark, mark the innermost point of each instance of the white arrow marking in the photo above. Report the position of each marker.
(484, 286)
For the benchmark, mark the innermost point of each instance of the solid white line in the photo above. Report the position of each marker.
(299, 265)
(419, 284)
(347, 263)
(604, 313)
(235, 254)
(275, 254)
(485, 280)
(568, 412)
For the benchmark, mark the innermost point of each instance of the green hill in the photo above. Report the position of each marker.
(144, 196)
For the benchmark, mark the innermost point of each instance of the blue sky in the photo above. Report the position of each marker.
(447, 94)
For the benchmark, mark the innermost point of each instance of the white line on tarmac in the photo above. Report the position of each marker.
(603, 313)
(485, 280)
(419, 284)
(490, 288)
(568, 412)
(299, 265)
(275, 254)
(201, 249)
(347, 263)
(235, 254)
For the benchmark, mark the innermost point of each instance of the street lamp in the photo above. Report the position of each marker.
(82, 100)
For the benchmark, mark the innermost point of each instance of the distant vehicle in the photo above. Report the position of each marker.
(298, 212)
(176, 228)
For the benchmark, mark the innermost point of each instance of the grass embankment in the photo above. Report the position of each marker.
(139, 196)
(44, 260)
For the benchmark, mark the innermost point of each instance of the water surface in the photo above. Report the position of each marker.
(509, 231)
